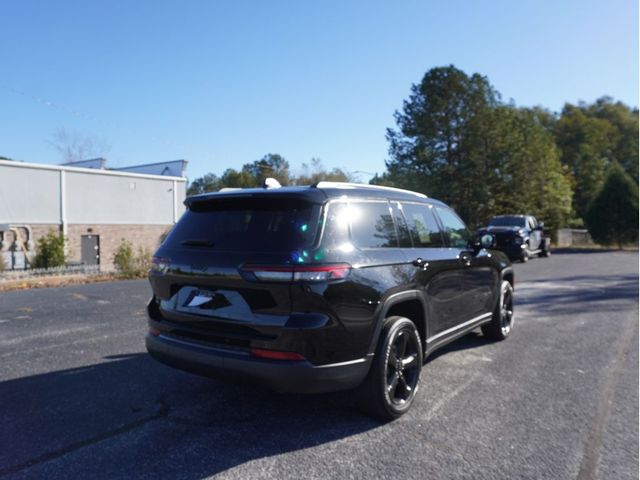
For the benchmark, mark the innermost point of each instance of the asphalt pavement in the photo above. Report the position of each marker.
(79, 398)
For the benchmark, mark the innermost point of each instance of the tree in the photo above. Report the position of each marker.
(591, 137)
(585, 145)
(271, 165)
(527, 174)
(624, 140)
(316, 172)
(438, 147)
(210, 182)
(74, 146)
(458, 142)
(612, 216)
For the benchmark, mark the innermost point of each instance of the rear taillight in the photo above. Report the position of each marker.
(160, 264)
(296, 273)
(275, 355)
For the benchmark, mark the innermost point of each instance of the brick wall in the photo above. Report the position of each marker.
(145, 236)
(110, 237)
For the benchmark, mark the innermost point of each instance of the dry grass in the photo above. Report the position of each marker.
(61, 281)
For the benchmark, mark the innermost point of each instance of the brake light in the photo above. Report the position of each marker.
(296, 273)
(275, 355)
(160, 264)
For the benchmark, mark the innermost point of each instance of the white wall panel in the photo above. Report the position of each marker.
(29, 195)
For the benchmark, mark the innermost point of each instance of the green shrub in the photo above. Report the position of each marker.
(2, 265)
(49, 251)
(612, 217)
(130, 264)
(576, 223)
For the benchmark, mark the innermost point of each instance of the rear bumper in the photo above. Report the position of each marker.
(282, 376)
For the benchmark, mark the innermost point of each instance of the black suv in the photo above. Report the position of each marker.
(519, 236)
(321, 288)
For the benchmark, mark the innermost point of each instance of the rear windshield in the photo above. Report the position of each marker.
(247, 224)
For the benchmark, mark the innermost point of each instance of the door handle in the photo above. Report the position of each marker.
(465, 258)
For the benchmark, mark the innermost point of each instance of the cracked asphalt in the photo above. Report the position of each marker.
(79, 398)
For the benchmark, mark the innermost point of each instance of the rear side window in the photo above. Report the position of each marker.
(372, 225)
(455, 228)
(247, 224)
(423, 227)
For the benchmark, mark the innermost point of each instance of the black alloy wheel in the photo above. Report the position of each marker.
(506, 311)
(392, 383)
(501, 324)
(403, 370)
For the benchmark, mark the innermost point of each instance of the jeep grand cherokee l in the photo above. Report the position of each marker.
(330, 287)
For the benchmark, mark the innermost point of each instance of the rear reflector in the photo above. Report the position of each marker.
(154, 331)
(296, 273)
(275, 355)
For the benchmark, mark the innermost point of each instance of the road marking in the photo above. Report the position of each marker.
(53, 333)
(438, 404)
(127, 333)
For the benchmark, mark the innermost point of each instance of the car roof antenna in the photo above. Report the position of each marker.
(271, 183)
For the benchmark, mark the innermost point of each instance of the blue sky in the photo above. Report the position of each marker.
(223, 83)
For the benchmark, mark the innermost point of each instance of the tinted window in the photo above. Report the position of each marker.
(507, 222)
(247, 224)
(404, 238)
(455, 228)
(372, 225)
(422, 225)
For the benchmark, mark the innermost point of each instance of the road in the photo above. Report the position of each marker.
(559, 399)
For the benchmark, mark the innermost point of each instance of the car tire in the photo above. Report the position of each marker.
(546, 248)
(392, 382)
(501, 324)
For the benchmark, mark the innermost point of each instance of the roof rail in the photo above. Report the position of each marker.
(364, 185)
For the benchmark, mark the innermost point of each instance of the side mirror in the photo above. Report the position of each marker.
(487, 241)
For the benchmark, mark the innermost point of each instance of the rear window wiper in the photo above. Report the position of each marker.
(197, 242)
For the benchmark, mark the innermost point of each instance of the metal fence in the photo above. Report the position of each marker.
(50, 272)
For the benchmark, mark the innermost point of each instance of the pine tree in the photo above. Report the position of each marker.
(612, 216)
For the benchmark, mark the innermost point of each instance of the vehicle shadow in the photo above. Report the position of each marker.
(581, 289)
(132, 416)
(474, 339)
(574, 250)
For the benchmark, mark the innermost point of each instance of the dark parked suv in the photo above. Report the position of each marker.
(329, 287)
(519, 236)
